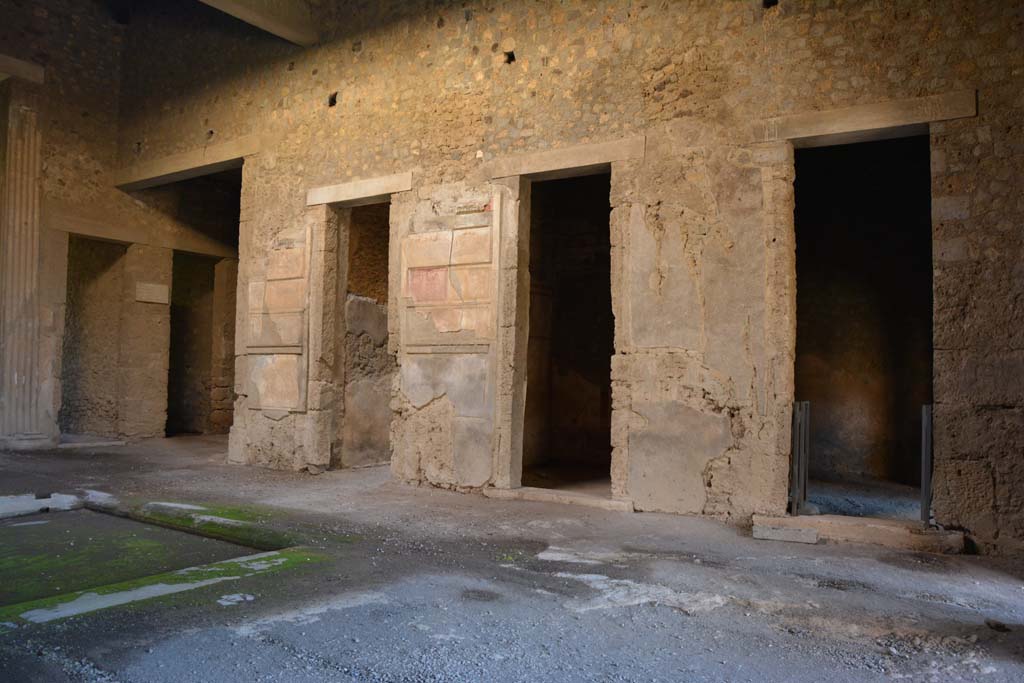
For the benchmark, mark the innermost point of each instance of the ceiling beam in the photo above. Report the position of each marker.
(19, 68)
(288, 19)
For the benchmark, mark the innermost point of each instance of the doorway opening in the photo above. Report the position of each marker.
(189, 376)
(365, 430)
(567, 417)
(201, 359)
(864, 322)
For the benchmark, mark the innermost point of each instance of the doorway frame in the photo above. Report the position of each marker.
(331, 207)
(517, 174)
(863, 123)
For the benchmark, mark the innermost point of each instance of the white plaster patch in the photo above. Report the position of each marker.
(308, 615)
(36, 523)
(235, 599)
(556, 554)
(28, 504)
(90, 602)
(261, 565)
(218, 520)
(100, 498)
(626, 593)
(179, 506)
(559, 554)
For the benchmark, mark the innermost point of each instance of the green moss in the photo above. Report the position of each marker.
(240, 568)
(247, 534)
(33, 572)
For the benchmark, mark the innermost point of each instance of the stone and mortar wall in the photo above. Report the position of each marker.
(92, 337)
(222, 366)
(702, 243)
(80, 45)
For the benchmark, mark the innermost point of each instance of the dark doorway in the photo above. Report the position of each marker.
(567, 430)
(190, 361)
(864, 321)
(201, 359)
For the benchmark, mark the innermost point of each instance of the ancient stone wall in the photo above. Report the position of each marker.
(222, 369)
(80, 45)
(702, 236)
(92, 338)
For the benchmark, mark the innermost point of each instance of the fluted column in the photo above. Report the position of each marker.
(20, 415)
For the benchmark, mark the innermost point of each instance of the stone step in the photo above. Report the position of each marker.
(892, 533)
(539, 495)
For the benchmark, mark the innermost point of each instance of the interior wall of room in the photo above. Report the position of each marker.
(92, 338)
(568, 392)
(222, 371)
(864, 306)
(190, 372)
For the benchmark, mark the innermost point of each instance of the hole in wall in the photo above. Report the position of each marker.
(332, 99)
(510, 57)
(209, 134)
(768, 4)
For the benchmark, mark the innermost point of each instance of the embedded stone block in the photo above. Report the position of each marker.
(667, 457)
(471, 450)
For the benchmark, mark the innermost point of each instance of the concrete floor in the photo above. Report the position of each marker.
(440, 586)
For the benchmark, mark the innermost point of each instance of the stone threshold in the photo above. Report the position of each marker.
(891, 533)
(99, 443)
(539, 495)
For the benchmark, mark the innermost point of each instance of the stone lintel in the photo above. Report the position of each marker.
(191, 164)
(567, 161)
(19, 68)
(88, 222)
(287, 19)
(359, 192)
(876, 121)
